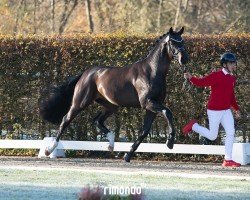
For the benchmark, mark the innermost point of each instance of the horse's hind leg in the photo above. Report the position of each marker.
(99, 120)
(72, 113)
(80, 101)
(148, 120)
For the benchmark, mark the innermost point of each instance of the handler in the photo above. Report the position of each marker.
(221, 99)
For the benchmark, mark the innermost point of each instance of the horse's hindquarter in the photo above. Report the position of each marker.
(115, 85)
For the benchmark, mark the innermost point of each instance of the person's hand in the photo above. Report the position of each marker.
(187, 75)
(237, 114)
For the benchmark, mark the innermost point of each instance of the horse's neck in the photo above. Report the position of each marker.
(157, 61)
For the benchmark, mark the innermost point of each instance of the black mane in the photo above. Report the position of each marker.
(155, 44)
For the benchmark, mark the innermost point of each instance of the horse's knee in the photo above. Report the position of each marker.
(167, 113)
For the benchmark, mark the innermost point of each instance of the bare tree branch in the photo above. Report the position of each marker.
(232, 24)
(159, 15)
(66, 14)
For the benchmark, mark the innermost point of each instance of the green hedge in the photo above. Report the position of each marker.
(29, 64)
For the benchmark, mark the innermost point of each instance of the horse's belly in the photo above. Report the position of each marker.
(125, 96)
(128, 101)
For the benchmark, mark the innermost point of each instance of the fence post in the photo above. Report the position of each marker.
(57, 153)
(241, 153)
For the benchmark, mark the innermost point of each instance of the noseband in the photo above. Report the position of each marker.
(179, 49)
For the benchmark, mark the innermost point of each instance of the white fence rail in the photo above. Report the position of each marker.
(241, 151)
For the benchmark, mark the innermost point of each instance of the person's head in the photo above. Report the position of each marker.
(229, 61)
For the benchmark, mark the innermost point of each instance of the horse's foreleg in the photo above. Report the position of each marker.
(166, 112)
(171, 137)
(148, 120)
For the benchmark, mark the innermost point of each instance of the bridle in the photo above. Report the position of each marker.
(178, 49)
(175, 53)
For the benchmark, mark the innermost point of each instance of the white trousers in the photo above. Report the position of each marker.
(225, 118)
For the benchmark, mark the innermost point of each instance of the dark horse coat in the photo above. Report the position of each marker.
(142, 84)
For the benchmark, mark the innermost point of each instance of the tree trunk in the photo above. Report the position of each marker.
(89, 17)
(196, 12)
(34, 17)
(15, 31)
(99, 17)
(178, 8)
(52, 25)
(185, 6)
(144, 15)
(159, 16)
(66, 14)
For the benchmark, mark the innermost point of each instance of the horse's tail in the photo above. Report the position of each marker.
(57, 101)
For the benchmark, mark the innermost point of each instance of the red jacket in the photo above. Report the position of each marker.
(222, 95)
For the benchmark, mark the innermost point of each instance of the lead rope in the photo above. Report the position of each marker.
(188, 86)
(186, 83)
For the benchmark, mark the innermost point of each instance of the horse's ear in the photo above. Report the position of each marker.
(171, 31)
(181, 31)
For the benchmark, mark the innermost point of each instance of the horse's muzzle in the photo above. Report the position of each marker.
(184, 58)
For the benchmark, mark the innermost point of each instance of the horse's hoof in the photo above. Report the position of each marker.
(127, 157)
(110, 148)
(47, 153)
(170, 144)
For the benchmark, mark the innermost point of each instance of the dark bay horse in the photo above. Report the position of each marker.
(141, 85)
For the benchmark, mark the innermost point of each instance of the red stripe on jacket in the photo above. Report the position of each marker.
(222, 95)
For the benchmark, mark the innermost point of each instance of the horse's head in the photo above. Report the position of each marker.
(175, 46)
